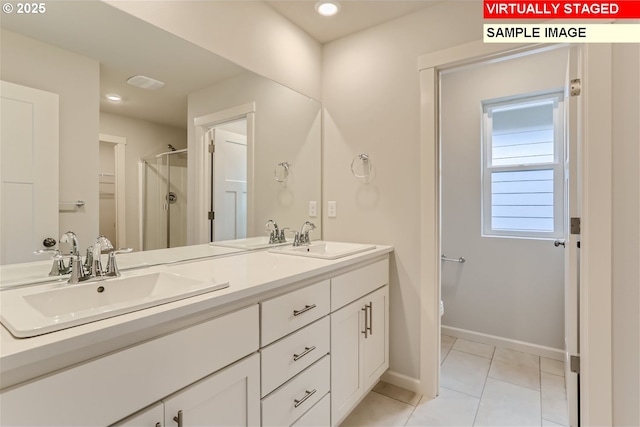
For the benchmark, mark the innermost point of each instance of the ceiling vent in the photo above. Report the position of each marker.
(145, 82)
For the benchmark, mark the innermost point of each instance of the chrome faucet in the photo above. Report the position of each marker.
(302, 237)
(276, 235)
(92, 266)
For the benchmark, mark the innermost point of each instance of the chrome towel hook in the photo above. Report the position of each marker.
(361, 166)
(281, 172)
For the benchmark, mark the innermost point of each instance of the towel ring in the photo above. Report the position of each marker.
(361, 166)
(281, 172)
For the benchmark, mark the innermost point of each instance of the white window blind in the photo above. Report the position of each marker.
(523, 167)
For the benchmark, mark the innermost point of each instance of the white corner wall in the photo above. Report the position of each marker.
(76, 79)
(371, 97)
(144, 139)
(248, 33)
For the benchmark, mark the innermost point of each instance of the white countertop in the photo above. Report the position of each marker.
(250, 274)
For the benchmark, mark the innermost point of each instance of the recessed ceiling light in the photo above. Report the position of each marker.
(113, 97)
(327, 8)
(145, 82)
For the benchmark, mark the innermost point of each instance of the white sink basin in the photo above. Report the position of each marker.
(33, 311)
(324, 250)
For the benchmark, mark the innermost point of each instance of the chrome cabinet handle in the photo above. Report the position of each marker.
(366, 326)
(370, 317)
(306, 396)
(304, 310)
(306, 351)
(178, 418)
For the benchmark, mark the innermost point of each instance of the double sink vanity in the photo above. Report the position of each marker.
(287, 335)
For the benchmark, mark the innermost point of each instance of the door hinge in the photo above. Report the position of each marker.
(575, 87)
(211, 215)
(574, 364)
(575, 225)
(212, 148)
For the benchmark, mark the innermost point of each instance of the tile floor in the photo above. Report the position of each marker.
(480, 385)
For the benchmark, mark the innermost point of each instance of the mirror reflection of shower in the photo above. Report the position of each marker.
(164, 199)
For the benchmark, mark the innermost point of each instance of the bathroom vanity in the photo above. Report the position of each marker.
(292, 340)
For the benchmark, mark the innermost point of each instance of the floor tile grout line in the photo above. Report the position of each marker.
(484, 385)
(396, 399)
(413, 411)
(517, 385)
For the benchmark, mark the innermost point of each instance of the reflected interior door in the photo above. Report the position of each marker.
(28, 171)
(229, 185)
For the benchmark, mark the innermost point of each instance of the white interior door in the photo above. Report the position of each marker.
(28, 171)
(230, 185)
(571, 249)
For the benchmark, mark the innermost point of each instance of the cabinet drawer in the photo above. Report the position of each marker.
(318, 416)
(284, 314)
(292, 400)
(285, 358)
(350, 286)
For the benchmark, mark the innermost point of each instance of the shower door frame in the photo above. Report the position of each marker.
(119, 145)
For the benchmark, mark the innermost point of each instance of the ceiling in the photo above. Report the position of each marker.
(125, 47)
(354, 15)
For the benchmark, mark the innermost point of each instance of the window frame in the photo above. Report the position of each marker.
(558, 165)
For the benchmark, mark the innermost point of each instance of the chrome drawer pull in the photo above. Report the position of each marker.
(366, 327)
(178, 419)
(304, 310)
(370, 317)
(306, 351)
(306, 396)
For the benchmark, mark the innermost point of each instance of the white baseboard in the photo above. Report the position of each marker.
(539, 350)
(400, 380)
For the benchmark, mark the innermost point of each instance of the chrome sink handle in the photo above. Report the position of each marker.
(58, 268)
(101, 246)
(283, 238)
(112, 266)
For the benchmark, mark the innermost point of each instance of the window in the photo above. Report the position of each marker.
(523, 167)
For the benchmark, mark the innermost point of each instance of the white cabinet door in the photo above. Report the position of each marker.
(230, 397)
(358, 359)
(376, 343)
(28, 171)
(149, 417)
(347, 385)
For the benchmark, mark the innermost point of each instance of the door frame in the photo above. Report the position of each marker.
(198, 206)
(119, 145)
(595, 181)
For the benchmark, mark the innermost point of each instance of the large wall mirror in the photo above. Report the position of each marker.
(140, 169)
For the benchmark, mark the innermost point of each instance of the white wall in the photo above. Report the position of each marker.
(509, 287)
(287, 128)
(76, 79)
(249, 33)
(371, 98)
(626, 231)
(143, 139)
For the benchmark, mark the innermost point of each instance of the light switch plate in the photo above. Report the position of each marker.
(313, 209)
(332, 209)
